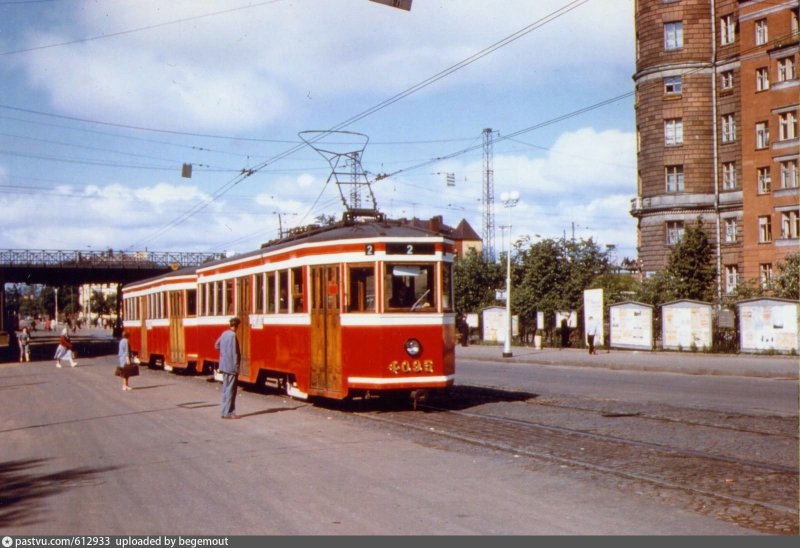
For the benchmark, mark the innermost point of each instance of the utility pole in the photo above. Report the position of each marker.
(488, 197)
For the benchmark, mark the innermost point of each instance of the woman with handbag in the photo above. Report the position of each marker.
(125, 368)
(65, 350)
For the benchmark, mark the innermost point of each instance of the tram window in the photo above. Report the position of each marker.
(229, 300)
(447, 287)
(361, 290)
(283, 291)
(204, 299)
(298, 290)
(219, 296)
(259, 280)
(191, 302)
(409, 287)
(271, 292)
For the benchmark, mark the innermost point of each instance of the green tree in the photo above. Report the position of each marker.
(691, 269)
(474, 282)
(100, 304)
(657, 289)
(555, 272)
(787, 282)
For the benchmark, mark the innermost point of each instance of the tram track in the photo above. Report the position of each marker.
(755, 494)
(766, 430)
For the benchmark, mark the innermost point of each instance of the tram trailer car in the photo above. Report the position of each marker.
(160, 316)
(348, 310)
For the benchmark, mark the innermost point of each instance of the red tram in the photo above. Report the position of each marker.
(347, 310)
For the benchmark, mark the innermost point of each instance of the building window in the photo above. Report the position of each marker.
(729, 176)
(728, 128)
(786, 69)
(673, 35)
(727, 30)
(790, 224)
(765, 275)
(673, 85)
(674, 232)
(761, 32)
(787, 126)
(789, 177)
(764, 229)
(730, 231)
(673, 131)
(762, 135)
(674, 178)
(762, 79)
(726, 80)
(764, 180)
(731, 278)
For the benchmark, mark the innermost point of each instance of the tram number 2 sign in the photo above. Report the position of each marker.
(411, 366)
(402, 249)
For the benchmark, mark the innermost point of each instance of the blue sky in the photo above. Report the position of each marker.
(103, 101)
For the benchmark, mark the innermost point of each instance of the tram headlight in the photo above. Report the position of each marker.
(413, 348)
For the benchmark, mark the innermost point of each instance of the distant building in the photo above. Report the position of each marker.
(463, 234)
(85, 293)
(717, 101)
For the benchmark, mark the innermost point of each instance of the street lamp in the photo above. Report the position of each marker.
(509, 200)
(55, 320)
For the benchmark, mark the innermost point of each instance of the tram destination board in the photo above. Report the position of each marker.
(409, 249)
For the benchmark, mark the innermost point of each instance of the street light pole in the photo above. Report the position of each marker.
(55, 320)
(509, 200)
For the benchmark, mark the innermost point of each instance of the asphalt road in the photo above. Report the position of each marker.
(80, 456)
(740, 394)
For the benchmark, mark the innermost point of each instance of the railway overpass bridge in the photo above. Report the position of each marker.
(71, 267)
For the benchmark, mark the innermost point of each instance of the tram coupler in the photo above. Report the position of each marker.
(418, 396)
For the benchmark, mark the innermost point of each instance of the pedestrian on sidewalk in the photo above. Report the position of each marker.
(124, 357)
(229, 361)
(564, 333)
(463, 329)
(591, 333)
(24, 339)
(65, 350)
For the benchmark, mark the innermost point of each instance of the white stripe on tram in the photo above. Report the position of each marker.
(399, 380)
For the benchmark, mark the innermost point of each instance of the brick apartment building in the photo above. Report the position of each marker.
(717, 101)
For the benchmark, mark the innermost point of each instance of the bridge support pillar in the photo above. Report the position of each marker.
(5, 322)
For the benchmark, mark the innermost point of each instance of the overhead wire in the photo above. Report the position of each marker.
(413, 89)
(139, 29)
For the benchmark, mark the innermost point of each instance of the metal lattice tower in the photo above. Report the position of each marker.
(488, 197)
(346, 168)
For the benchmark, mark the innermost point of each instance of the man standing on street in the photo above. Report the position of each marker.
(591, 333)
(229, 360)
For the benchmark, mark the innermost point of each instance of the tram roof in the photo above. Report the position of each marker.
(401, 228)
(340, 231)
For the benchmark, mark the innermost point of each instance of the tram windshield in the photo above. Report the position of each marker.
(409, 288)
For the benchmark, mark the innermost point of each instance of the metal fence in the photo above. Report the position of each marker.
(103, 259)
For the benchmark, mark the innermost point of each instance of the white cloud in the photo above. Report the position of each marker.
(269, 69)
(585, 180)
(253, 67)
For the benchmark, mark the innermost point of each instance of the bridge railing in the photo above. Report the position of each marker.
(58, 258)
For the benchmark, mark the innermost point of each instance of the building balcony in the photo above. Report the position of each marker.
(651, 204)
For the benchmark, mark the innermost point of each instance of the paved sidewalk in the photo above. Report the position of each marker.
(689, 363)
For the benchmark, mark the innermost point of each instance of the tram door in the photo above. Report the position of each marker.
(177, 343)
(143, 326)
(244, 303)
(326, 363)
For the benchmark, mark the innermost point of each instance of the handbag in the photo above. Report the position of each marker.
(129, 370)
